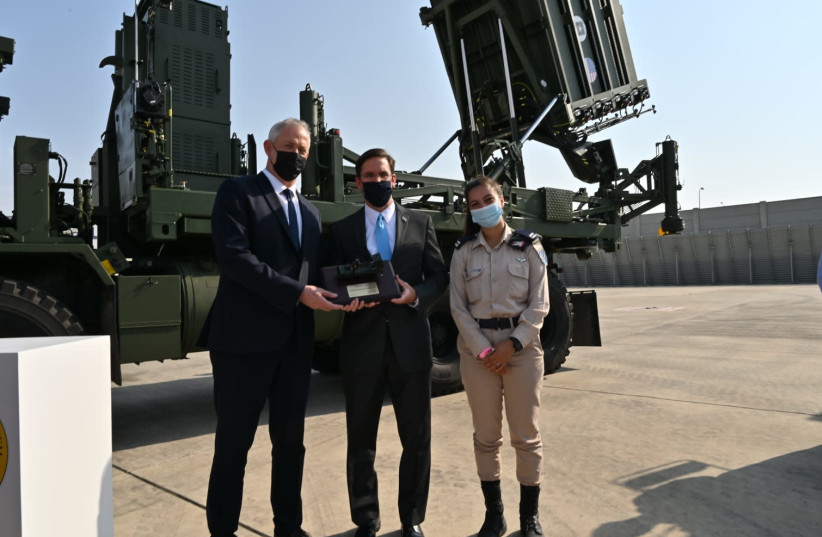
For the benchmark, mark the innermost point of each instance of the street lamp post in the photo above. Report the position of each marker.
(699, 206)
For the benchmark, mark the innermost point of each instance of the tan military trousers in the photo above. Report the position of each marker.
(519, 389)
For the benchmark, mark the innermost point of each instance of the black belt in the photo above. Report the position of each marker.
(499, 323)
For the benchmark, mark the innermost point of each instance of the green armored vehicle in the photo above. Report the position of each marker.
(127, 252)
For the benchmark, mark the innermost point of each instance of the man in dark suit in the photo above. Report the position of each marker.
(388, 345)
(260, 330)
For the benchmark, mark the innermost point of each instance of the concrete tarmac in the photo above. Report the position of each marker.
(701, 415)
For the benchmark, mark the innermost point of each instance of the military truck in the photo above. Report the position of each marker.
(127, 252)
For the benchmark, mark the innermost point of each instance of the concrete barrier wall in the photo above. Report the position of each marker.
(756, 243)
(787, 254)
(762, 215)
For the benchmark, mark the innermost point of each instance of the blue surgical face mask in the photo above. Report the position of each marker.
(487, 216)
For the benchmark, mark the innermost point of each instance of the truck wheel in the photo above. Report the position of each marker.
(555, 334)
(445, 373)
(26, 311)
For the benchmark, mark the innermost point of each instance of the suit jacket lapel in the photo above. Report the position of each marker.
(309, 227)
(402, 226)
(276, 206)
(359, 235)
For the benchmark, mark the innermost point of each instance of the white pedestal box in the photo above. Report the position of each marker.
(55, 442)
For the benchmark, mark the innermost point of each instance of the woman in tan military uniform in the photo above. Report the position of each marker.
(499, 297)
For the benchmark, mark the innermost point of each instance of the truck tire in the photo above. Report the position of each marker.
(26, 311)
(555, 334)
(445, 373)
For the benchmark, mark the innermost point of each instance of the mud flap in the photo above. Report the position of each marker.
(585, 328)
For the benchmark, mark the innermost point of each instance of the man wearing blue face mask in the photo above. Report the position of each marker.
(499, 298)
(388, 345)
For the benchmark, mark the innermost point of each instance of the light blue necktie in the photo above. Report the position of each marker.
(383, 246)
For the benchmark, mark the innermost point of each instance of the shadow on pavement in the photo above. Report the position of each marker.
(152, 413)
(148, 414)
(779, 497)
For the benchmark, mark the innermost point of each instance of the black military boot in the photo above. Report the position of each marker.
(529, 511)
(494, 525)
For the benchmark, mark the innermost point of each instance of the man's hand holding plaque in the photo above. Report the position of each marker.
(367, 282)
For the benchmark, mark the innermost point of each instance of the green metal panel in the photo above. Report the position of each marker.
(196, 226)
(129, 172)
(148, 309)
(333, 182)
(191, 52)
(585, 329)
(6, 58)
(201, 152)
(31, 191)
(573, 47)
(308, 109)
(124, 44)
(199, 287)
(180, 140)
(82, 251)
(558, 204)
(167, 206)
(6, 52)
(331, 212)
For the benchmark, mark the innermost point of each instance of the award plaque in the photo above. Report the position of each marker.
(371, 281)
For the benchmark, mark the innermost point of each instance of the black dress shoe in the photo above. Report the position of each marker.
(412, 531)
(369, 529)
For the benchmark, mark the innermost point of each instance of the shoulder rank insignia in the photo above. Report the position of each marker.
(463, 240)
(521, 238)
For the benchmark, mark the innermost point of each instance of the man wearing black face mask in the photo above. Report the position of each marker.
(388, 345)
(260, 330)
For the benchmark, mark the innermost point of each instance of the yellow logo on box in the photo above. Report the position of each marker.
(4, 452)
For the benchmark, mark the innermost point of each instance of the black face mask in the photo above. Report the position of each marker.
(377, 193)
(289, 165)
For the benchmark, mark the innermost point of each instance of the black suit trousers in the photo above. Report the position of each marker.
(411, 396)
(242, 384)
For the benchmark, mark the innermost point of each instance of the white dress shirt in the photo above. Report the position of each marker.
(279, 189)
(371, 224)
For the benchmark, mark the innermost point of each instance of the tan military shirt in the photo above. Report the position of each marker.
(498, 282)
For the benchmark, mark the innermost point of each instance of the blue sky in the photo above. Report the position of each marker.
(734, 85)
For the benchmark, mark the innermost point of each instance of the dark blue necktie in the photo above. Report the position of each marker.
(293, 226)
(383, 244)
